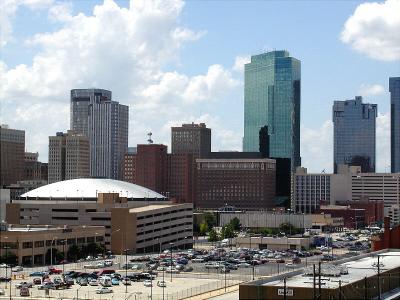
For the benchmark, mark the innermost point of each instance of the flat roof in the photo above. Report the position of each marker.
(150, 207)
(358, 270)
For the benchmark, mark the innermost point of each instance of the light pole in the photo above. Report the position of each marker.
(51, 250)
(171, 244)
(6, 248)
(117, 230)
(126, 270)
(63, 264)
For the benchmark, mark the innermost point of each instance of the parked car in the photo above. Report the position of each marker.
(2, 292)
(37, 273)
(53, 270)
(82, 281)
(23, 284)
(37, 281)
(162, 284)
(24, 292)
(93, 282)
(148, 283)
(17, 269)
(114, 281)
(5, 279)
(126, 281)
(47, 286)
(104, 290)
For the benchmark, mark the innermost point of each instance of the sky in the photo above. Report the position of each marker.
(174, 62)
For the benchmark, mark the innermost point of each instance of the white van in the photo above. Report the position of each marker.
(105, 281)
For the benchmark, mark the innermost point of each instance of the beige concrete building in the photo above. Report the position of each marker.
(69, 156)
(272, 243)
(134, 217)
(31, 243)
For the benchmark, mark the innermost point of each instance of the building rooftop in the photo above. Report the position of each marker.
(149, 207)
(89, 188)
(357, 270)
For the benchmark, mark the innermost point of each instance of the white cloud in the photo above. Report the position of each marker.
(317, 147)
(122, 49)
(371, 90)
(240, 61)
(374, 29)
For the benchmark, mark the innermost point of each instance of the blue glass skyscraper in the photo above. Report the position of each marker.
(354, 135)
(394, 89)
(272, 99)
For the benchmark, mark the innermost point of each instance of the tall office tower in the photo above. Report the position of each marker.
(105, 123)
(354, 134)
(394, 89)
(12, 144)
(69, 156)
(191, 139)
(272, 99)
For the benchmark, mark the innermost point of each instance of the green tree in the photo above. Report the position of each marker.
(74, 252)
(288, 228)
(9, 258)
(227, 232)
(235, 223)
(203, 229)
(209, 219)
(213, 236)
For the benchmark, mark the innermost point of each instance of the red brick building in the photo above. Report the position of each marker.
(373, 210)
(390, 238)
(181, 177)
(129, 168)
(243, 183)
(353, 217)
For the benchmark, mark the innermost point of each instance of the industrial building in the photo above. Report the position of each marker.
(368, 276)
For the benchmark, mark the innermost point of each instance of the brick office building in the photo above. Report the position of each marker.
(240, 182)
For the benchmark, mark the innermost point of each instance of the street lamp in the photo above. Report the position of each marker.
(170, 245)
(126, 270)
(63, 263)
(51, 250)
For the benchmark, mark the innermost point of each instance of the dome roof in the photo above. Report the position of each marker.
(89, 188)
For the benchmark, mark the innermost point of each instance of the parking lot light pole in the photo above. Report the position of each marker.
(63, 265)
(51, 250)
(171, 244)
(126, 270)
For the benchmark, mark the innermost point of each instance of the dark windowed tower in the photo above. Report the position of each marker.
(354, 137)
(394, 89)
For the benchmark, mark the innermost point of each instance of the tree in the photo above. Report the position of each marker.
(213, 236)
(235, 223)
(288, 228)
(203, 229)
(74, 252)
(209, 219)
(227, 232)
(9, 258)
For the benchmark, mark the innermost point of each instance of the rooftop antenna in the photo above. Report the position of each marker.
(150, 141)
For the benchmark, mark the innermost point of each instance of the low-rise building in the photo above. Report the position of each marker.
(366, 276)
(272, 243)
(33, 244)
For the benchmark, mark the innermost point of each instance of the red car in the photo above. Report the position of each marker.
(53, 270)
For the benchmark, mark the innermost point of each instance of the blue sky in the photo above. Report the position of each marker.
(192, 76)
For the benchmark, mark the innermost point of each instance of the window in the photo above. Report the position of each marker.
(90, 239)
(26, 245)
(81, 240)
(39, 244)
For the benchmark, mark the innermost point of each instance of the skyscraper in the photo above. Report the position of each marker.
(69, 156)
(191, 139)
(354, 136)
(394, 89)
(272, 99)
(12, 146)
(105, 123)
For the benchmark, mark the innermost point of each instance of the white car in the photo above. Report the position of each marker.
(93, 282)
(2, 292)
(104, 290)
(161, 284)
(126, 281)
(148, 283)
(108, 263)
(17, 269)
(243, 265)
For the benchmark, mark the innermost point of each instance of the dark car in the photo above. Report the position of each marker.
(37, 281)
(5, 279)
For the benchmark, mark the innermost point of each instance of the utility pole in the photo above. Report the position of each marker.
(340, 290)
(365, 289)
(284, 288)
(379, 279)
(314, 288)
(319, 281)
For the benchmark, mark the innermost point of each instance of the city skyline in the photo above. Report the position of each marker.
(168, 87)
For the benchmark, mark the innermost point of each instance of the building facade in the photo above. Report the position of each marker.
(12, 143)
(272, 98)
(69, 156)
(105, 123)
(354, 134)
(181, 181)
(394, 89)
(129, 168)
(191, 139)
(32, 244)
(242, 183)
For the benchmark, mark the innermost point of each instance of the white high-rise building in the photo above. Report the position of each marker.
(105, 123)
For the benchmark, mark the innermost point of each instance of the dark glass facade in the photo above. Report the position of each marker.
(354, 136)
(272, 98)
(394, 89)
